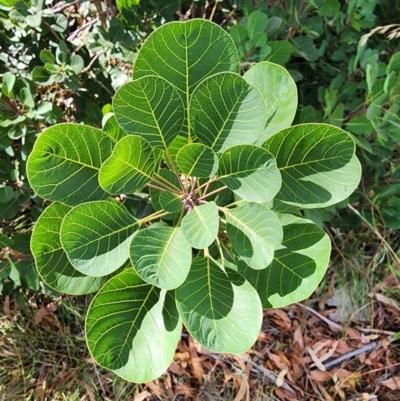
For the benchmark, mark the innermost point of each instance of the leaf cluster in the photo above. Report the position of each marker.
(186, 206)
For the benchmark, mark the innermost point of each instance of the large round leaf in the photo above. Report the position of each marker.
(185, 53)
(280, 95)
(225, 110)
(161, 256)
(150, 107)
(133, 328)
(96, 236)
(200, 225)
(51, 260)
(255, 232)
(250, 172)
(129, 168)
(317, 164)
(221, 310)
(197, 160)
(65, 162)
(298, 265)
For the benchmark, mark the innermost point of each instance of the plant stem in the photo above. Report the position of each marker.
(164, 187)
(220, 251)
(206, 184)
(234, 203)
(154, 216)
(212, 193)
(176, 172)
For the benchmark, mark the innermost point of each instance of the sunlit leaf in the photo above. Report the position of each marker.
(221, 310)
(96, 236)
(161, 256)
(127, 322)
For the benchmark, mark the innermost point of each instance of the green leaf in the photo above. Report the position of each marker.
(394, 64)
(185, 53)
(256, 23)
(5, 241)
(200, 225)
(250, 172)
(150, 107)
(133, 328)
(226, 111)
(10, 209)
(112, 129)
(317, 163)
(96, 236)
(360, 125)
(7, 193)
(129, 168)
(197, 160)
(255, 232)
(298, 266)
(221, 310)
(40, 76)
(8, 84)
(65, 163)
(76, 64)
(305, 47)
(280, 95)
(51, 260)
(281, 50)
(161, 256)
(170, 202)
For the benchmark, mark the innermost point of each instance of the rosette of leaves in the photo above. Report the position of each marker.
(185, 208)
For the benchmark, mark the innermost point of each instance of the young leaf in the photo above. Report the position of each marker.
(255, 232)
(170, 202)
(130, 166)
(225, 111)
(200, 225)
(280, 95)
(65, 163)
(127, 322)
(51, 260)
(161, 256)
(96, 236)
(317, 164)
(298, 266)
(150, 107)
(197, 160)
(250, 172)
(221, 310)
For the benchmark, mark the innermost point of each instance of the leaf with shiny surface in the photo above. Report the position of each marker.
(161, 256)
(226, 111)
(127, 322)
(250, 172)
(151, 108)
(51, 260)
(221, 310)
(130, 166)
(255, 232)
(96, 236)
(65, 163)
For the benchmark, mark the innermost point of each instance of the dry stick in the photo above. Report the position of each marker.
(81, 28)
(351, 354)
(270, 376)
(334, 326)
(213, 10)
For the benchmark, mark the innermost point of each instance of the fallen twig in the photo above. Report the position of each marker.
(334, 326)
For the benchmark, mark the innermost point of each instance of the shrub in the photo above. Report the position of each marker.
(186, 207)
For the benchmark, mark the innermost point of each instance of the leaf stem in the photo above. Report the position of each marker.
(154, 216)
(176, 172)
(206, 184)
(212, 193)
(235, 203)
(165, 188)
(220, 251)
